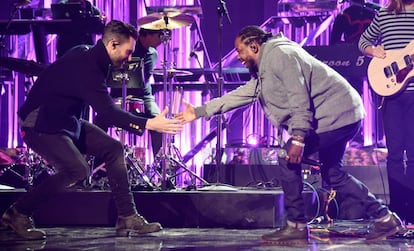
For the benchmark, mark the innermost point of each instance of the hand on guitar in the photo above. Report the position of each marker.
(390, 70)
(376, 51)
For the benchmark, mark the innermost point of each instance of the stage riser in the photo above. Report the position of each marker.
(374, 177)
(259, 208)
(171, 209)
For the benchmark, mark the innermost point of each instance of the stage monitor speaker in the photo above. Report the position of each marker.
(241, 175)
(374, 177)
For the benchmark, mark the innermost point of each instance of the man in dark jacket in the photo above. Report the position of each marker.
(51, 126)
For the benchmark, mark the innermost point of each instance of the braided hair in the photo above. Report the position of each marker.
(253, 33)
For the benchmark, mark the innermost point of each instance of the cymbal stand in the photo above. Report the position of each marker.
(136, 169)
(169, 157)
(219, 150)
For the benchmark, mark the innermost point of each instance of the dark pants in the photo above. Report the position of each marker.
(66, 156)
(398, 118)
(331, 147)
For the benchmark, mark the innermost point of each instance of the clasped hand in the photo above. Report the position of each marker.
(161, 124)
(188, 114)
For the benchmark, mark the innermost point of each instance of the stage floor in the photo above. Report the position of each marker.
(192, 220)
(103, 238)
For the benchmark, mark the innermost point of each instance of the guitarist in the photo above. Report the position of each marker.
(392, 29)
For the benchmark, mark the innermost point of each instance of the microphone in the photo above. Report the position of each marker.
(194, 49)
(282, 153)
(224, 10)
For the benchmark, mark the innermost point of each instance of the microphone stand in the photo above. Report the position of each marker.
(222, 9)
(219, 150)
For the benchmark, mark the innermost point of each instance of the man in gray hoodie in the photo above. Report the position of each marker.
(321, 112)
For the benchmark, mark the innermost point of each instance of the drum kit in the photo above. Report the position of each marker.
(22, 168)
(168, 162)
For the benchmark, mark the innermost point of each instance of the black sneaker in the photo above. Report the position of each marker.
(382, 229)
(22, 224)
(135, 224)
(288, 236)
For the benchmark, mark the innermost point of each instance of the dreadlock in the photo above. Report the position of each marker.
(253, 33)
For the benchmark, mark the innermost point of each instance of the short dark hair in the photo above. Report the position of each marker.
(118, 30)
(253, 33)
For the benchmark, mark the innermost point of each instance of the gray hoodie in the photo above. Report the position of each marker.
(295, 90)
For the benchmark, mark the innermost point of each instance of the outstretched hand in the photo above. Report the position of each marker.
(188, 114)
(161, 124)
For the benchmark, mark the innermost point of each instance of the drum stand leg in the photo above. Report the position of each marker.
(170, 162)
(169, 158)
(178, 162)
(136, 169)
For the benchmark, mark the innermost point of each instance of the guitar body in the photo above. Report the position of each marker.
(389, 76)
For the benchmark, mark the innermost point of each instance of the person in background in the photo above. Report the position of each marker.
(346, 29)
(139, 84)
(393, 29)
(351, 23)
(320, 110)
(51, 125)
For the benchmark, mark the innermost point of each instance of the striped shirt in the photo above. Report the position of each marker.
(390, 30)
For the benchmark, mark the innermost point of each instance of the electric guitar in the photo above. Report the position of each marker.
(390, 75)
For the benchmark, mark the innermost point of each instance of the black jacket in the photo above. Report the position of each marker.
(64, 89)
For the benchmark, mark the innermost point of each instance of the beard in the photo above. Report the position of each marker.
(253, 70)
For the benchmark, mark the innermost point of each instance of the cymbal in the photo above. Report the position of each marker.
(165, 20)
(192, 10)
(28, 67)
(173, 72)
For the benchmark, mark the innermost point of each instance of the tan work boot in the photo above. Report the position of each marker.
(288, 235)
(22, 224)
(389, 226)
(135, 224)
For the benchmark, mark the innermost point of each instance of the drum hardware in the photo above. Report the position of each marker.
(136, 169)
(28, 67)
(168, 160)
(17, 5)
(166, 20)
(34, 167)
(172, 72)
(137, 173)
